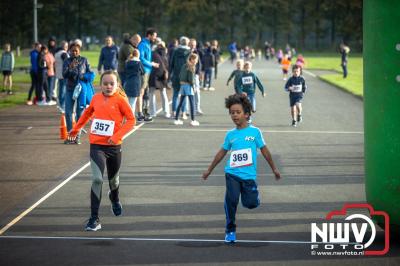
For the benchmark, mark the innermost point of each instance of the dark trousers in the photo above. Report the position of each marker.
(344, 67)
(180, 105)
(102, 156)
(43, 86)
(34, 85)
(207, 78)
(235, 188)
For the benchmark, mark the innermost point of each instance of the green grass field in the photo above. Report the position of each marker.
(354, 81)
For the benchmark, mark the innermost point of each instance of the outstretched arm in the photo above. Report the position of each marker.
(218, 157)
(267, 155)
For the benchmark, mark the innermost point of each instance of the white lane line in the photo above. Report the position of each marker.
(309, 73)
(27, 211)
(264, 131)
(153, 239)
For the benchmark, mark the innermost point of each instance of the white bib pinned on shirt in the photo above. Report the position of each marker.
(102, 127)
(247, 80)
(240, 158)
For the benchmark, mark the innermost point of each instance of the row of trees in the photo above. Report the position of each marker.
(306, 24)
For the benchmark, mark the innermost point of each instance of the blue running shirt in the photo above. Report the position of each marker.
(243, 144)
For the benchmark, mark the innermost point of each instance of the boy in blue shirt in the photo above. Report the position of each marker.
(296, 86)
(241, 168)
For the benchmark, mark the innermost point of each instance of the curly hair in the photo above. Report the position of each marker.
(239, 99)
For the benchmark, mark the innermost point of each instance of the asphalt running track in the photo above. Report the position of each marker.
(171, 216)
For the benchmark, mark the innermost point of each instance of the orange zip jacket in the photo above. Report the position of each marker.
(285, 64)
(111, 108)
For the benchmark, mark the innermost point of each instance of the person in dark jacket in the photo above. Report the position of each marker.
(129, 43)
(34, 54)
(74, 69)
(178, 59)
(158, 79)
(187, 77)
(217, 55)
(208, 65)
(108, 56)
(134, 72)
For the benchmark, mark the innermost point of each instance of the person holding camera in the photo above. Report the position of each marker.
(74, 69)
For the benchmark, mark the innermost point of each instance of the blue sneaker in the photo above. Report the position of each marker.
(230, 237)
(93, 224)
(116, 207)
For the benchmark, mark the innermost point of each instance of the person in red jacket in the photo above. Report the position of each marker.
(112, 118)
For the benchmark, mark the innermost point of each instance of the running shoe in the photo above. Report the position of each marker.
(299, 118)
(211, 89)
(230, 237)
(294, 123)
(29, 102)
(178, 122)
(194, 123)
(184, 116)
(200, 112)
(93, 224)
(78, 141)
(167, 115)
(140, 119)
(116, 207)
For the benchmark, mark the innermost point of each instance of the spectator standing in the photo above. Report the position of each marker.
(74, 69)
(7, 63)
(217, 55)
(158, 80)
(60, 57)
(33, 55)
(125, 51)
(344, 51)
(196, 83)
(232, 51)
(178, 59)
(133, 72)
(146, 59)
(208, 65)
(108, 56)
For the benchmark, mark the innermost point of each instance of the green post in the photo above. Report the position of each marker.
(382, 106)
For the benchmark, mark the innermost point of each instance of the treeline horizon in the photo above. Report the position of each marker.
(318, 25)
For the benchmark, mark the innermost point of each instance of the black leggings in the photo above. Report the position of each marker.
(100, 157)
(191, 102)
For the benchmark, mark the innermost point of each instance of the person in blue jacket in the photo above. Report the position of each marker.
(33, 55)
(145, 58)
(108, 56)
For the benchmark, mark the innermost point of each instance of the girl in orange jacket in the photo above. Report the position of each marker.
(112, 118)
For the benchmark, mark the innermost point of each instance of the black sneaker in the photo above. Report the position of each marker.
(299, 118)
(116, 207)
(93, 224)
(294, 123)
(140, 119)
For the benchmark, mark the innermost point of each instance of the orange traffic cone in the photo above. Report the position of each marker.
(63, 128)
(73, 120)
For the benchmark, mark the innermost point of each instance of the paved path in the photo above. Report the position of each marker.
(171, 216)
